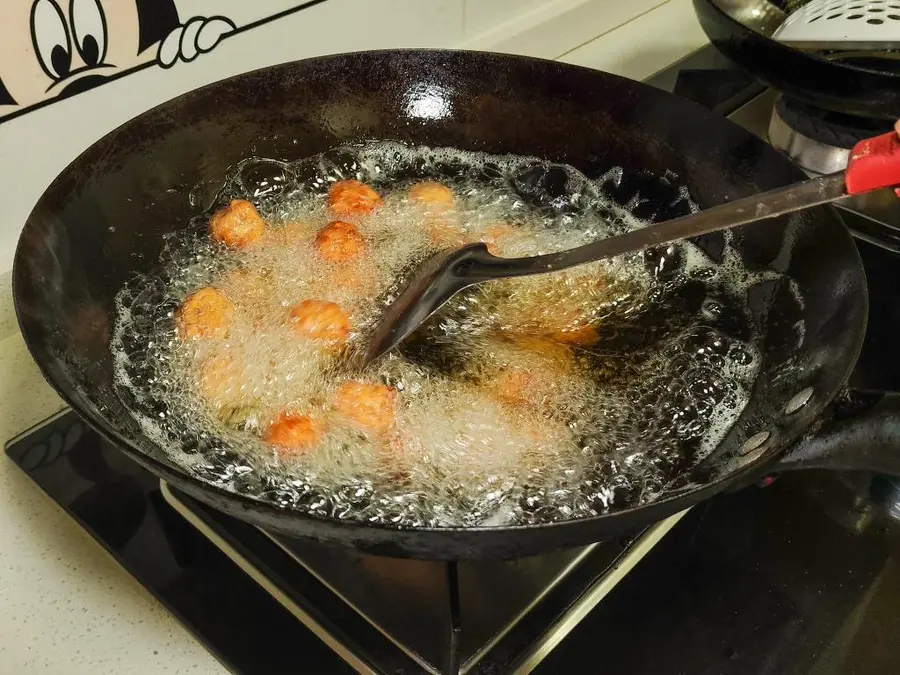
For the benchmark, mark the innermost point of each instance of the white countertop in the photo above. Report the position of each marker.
(67, 606)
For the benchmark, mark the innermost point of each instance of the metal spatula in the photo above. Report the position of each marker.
(874, 163)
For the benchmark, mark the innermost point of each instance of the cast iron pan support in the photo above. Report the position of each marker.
(454, 623)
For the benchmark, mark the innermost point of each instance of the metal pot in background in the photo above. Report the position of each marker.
(856, 83)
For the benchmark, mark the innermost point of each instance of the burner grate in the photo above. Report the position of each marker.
(385, 615)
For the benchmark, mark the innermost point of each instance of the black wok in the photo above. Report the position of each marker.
(103, 219)
(868, 88)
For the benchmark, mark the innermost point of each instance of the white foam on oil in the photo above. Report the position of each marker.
(593, 429)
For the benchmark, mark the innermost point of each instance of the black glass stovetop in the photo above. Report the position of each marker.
(801, 577)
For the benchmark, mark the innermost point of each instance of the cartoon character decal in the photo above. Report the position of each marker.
(52, 49)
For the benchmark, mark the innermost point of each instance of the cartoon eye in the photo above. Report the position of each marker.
(89, 26)
(51, 39)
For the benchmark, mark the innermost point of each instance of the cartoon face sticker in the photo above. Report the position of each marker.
(55, 48)
(52, 49)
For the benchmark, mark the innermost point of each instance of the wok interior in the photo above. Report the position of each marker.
(104, 218)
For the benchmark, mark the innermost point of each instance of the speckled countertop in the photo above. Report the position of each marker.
(67, 606)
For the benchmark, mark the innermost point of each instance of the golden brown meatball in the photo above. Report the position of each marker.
(548, 351)
(433, 195)
(449, 235)
(320, 320)
(339, 242)
(251, 291)
(347, 279)
(495, 237)
(293, 433)
(519, 386)
(366, 405)
(537, 366)
(218, 381)
(556, 307)
(352, 198)
(288, 234)
(344, 282)
(237, 225)
(446, 234)
(512, 386)
(205, 314)
(568, 327)
(246, 286)
(575, 334)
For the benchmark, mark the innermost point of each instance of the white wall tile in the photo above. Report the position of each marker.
(422, 16)
(482, 15)
(676, 34)
(552, 29)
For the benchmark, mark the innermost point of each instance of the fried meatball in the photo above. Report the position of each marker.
(251, 291)
(535, 386)
(512, 386)
(575, 334)
(495, 236)
(569, 328)
(289, 234)
(561, 307)
(446, 234)
(347, 279)
(219, 382)
(293, 433)
(435, 196)
(528, 370)
(320, 320)
(347, 284)
(247, 286)
(368, 406)
(205, 314)
(344, 284)
(339, 242)
(546, 350)
(352, 198)
(237, 225)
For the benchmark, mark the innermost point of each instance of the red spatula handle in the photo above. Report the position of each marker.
(874, 163)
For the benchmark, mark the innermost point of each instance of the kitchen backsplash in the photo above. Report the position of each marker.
(72, 70)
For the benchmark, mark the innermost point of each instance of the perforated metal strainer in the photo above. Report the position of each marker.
(843, 25)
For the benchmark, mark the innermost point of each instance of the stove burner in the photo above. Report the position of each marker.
(818, 140)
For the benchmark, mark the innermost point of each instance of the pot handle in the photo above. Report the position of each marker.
(861, 433)
(874, 163)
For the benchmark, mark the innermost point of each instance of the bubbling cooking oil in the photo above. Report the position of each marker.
(495, 424)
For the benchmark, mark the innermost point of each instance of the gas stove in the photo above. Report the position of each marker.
(777, 580)
(820, 141)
